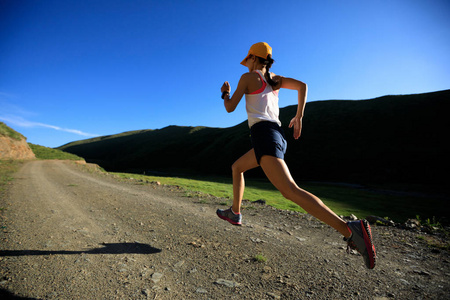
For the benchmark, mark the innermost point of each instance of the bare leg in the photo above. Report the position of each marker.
(278, 173)
(244, 163)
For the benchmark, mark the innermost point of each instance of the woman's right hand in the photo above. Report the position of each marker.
(225, 87)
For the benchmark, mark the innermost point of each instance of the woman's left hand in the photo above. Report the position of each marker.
(296, 122)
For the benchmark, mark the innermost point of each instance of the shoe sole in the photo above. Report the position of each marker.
(229, 220)
(367, 234)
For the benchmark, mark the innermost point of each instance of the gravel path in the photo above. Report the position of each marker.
(69, 232)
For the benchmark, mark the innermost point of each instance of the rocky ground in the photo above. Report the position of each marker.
(69, 232)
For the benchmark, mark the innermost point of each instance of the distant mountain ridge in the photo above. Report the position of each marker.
(398, 139)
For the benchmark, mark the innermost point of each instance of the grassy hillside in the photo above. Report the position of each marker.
(391, 139)
(9, 132)
(171, 149)
(42, 152)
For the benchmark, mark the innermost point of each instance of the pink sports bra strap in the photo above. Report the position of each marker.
(263, 86)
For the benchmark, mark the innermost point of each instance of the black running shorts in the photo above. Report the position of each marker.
(268, 139)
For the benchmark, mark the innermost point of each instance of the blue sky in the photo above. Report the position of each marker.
(70, 70)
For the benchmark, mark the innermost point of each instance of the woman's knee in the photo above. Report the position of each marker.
(296, 194)
(290, 191)
(244, 164)
(236, 168)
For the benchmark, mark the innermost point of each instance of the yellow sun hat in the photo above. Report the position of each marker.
(260, 49)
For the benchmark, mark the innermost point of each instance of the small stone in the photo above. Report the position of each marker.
(156, 277)
(412, 223)
(256, 240)
(353, 252)
(273, 295)
(196, 245)
(201, 291)
(227, 283)
(380, 220)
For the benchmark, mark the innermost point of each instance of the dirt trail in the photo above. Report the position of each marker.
(70, 233)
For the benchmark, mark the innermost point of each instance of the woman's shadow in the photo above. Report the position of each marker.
(107, 248)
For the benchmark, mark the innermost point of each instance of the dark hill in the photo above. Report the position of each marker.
(395, 139)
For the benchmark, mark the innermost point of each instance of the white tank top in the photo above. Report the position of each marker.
(262, 105)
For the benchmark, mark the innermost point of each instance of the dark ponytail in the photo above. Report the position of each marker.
(268, 63)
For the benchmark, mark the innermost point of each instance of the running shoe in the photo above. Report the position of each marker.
(361, 241)
(230, 216)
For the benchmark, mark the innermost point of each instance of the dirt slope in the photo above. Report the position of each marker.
(70, 233)
(15, 149)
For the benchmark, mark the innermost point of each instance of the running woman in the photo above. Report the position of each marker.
(260, 88)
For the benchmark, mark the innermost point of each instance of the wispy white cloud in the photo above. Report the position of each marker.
(21, 122)
(14, 115)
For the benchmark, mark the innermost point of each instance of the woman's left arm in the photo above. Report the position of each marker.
(302, 89)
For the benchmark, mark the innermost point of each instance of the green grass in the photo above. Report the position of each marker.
(7, 169)
(343, 200)
(9, 132)
(42, 152)
(260, 258)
